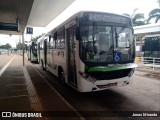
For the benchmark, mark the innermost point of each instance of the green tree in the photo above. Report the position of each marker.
(137, 19)
(155, 13)
(19, 46)
(6, 46)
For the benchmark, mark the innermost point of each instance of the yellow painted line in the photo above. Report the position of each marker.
(5, 67)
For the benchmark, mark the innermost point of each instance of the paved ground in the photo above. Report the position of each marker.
(149, 72)
(17, 92)
(13, 93)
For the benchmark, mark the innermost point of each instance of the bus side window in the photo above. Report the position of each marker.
(60, 42)
(74, 38)
(54, 44)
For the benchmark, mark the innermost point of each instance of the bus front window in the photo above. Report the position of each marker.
(124, 43)
(106, 44)
(96, 44)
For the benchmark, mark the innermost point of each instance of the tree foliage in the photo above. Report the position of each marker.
(19, 46)
(154, 14)
(138, 19)
(6, 46)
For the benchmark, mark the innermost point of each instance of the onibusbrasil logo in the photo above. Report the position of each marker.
(21, 114)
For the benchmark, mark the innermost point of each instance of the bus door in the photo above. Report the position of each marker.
(45, 52)
(38, 51)
(71, 66)
(49, 52)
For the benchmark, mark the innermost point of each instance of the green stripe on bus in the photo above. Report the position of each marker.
(105, 69)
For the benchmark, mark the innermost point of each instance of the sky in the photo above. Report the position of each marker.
(112, 6)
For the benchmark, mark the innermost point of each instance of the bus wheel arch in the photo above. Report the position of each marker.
(61, 75)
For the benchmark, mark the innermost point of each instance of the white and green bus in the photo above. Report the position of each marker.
(91, 51)
(32, 51)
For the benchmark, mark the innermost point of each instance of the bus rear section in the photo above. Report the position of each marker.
(32, 51)
(42, 51)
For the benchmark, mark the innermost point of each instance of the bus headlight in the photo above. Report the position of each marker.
(87, 77)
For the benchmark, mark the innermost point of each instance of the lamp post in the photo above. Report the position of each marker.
(134, 12)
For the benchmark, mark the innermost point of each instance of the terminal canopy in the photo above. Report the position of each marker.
(15, 15)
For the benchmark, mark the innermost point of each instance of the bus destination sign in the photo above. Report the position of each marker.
(108, 18)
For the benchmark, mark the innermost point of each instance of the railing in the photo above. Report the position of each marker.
(148, 62)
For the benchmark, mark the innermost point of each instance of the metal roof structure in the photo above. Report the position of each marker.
(150, 29)
(15, 15)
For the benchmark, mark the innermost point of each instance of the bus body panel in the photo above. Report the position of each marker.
(56, 60)
(86, 86)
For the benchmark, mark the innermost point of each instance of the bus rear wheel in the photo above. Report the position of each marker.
(61, 76)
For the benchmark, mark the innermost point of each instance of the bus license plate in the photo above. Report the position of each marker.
(112, 84)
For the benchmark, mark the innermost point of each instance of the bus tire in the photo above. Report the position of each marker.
(61, 76)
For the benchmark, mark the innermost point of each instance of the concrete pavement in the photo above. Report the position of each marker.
(19, 93)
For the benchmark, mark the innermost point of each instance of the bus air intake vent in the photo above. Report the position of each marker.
(109, 75)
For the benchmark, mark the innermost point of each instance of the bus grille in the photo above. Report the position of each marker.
(109, 75)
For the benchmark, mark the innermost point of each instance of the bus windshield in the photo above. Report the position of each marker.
(106, 44)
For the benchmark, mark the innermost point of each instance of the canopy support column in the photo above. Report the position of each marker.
(23, 47)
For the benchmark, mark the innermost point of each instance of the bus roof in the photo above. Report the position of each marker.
(81, 13)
